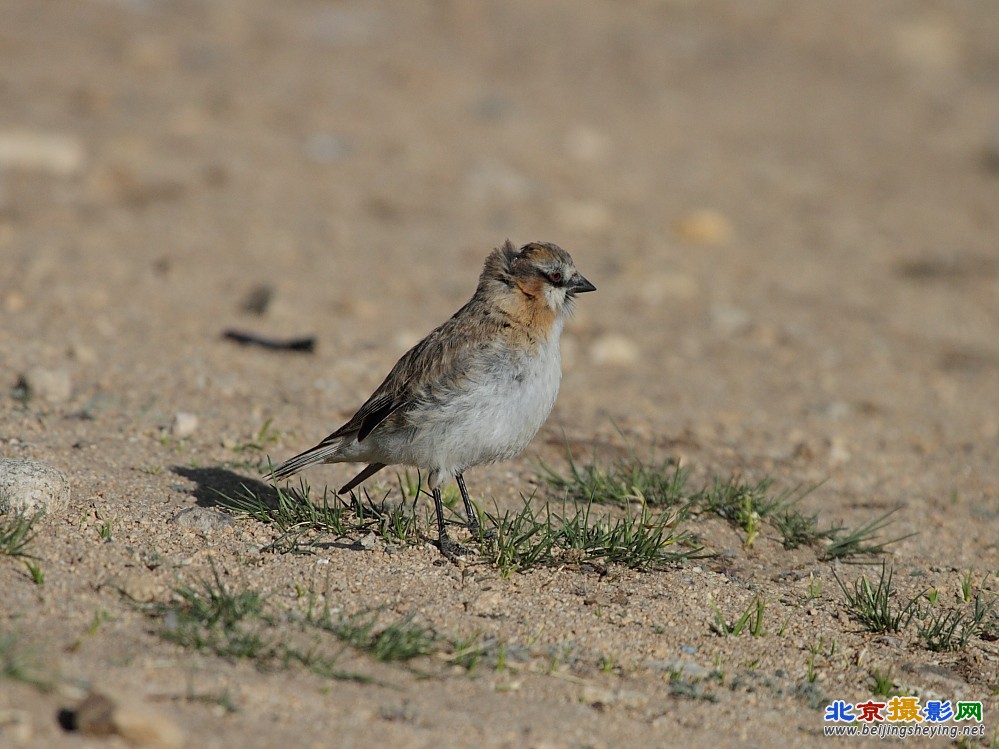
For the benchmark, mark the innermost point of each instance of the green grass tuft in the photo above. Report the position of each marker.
(751, 620)
(883, 685)
(16, 533)
(237, 623)
(303, 522)
(876, 606)
(402, 640)
(947, 629)
(747, 505)
(860, 545)
(640, 540)
(211, 616)
(661, 484)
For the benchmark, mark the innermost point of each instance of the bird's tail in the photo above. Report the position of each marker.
(321, 453)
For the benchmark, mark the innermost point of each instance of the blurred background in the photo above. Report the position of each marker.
(791, 211)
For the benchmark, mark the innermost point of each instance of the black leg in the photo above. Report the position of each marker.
(439, 507)
(448, 547)
(473, 519)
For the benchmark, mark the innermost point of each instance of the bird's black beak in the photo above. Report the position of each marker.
(579, 285)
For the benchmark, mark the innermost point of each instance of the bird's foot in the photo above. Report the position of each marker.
(478, 533)
(451, 549)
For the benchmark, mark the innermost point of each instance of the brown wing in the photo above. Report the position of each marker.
(439, 359)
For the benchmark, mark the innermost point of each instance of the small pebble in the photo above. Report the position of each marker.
(202, 519)
(184, 425)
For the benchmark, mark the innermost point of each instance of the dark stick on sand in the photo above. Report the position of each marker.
(305, 344)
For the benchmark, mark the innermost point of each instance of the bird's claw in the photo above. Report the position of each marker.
(481, 535)
(451, 549)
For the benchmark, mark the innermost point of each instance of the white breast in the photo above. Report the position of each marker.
(495, 415)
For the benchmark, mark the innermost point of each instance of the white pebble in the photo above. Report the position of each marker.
(184, 425)
(202, 519)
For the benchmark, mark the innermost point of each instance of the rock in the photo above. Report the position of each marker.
(614, 350)
(51, 385)
(703, 227)
(202, 519)
(184, 425)
(101, 715)
(54, 153)
(29, 487)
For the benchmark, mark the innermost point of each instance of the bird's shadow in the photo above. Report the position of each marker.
(219, 487)
(225, 489)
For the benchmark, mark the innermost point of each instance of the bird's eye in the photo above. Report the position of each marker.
(555, 277)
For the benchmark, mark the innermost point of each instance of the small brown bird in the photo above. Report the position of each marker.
(475, 390)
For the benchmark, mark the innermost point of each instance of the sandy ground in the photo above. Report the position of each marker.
(789, 210)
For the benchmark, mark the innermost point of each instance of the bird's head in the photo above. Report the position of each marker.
(541, 271)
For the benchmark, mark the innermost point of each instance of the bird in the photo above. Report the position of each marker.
(474, 391)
